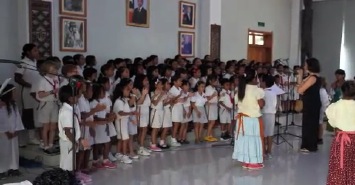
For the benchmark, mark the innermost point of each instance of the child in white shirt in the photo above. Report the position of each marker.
(177, 111)
(186, 112)
(211, 106)
(66, 127)
(268, 111)
(102, 131)
(325, 100)
(199, 114)
(225, 109)
(47, 94)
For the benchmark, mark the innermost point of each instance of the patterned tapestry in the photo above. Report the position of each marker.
(41, 26)
(215, 41)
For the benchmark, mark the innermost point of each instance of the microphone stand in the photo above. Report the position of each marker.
(73, 86)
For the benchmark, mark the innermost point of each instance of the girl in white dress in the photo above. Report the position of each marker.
(211, 106)
(175, 93)
(122, 109)
(157, 114)
(102, 131)
(106, 83)
(167, 123)
(10, 124)
(187, 114)
(141, 84)
(199, 115)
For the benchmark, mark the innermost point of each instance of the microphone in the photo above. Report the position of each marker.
(4, 61)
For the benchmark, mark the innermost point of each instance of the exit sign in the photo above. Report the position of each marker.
(261, 24)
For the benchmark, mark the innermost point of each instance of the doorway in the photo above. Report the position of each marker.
(260, 46)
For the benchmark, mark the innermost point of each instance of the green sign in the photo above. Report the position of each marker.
(261, 24)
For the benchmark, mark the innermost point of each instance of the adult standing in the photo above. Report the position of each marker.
(309, 89)
(140, 14)
(25, 77)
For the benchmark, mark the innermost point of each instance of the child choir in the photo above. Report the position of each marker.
(127, 101)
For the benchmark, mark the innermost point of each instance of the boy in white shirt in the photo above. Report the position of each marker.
(225, 110)
(268, 111)
(66, 126)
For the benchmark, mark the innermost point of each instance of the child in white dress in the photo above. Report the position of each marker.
(106, 83)
(187, 114)
(211, 106)
(199, 115)
(10, 125)
(102, 130)
(175, 93)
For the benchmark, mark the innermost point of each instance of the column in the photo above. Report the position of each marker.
(295, 40)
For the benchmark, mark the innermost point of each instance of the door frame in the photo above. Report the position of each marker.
(263, 33)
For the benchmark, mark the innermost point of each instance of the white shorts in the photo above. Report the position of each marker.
(203, 118)
(177, 113)
(225, 116)
(132, 126)
(112, 130)
(143, 116)
(48, 112)
(66, 155)
(212, 112)
(156, 118)
(269, 124)
(167, 123)
(102, 134)
(122, 128)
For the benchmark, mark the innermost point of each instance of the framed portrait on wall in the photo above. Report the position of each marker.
(73, 7)
(73, 34)
(138, 13)
(187, 44)
(187, 15)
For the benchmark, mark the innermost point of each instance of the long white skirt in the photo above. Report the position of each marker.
(248, 145)
(9, 155)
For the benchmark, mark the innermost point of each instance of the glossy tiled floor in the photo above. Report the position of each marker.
(206, 165)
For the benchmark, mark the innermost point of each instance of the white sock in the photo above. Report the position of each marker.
(162, 142)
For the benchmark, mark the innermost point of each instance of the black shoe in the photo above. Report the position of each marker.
(320, 141)
(3, 176)
(185, 142)
(14, 173)
(51, 151)
(164, 147)
(228, 136)
(223, 136)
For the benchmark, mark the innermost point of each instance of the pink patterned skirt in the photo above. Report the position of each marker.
(342, 160)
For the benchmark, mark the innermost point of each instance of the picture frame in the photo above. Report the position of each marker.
(138, 13)
(73, 34)
(73, 8)
(186, 44)
(187, 15)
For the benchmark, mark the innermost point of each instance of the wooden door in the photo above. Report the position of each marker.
(260, 46)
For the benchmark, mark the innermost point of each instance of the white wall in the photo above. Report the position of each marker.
(8, 37)
(109, 37)
(240, 15)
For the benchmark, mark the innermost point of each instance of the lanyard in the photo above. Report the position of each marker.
(54, 85)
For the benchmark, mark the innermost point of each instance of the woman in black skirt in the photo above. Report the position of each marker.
(309, 89)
